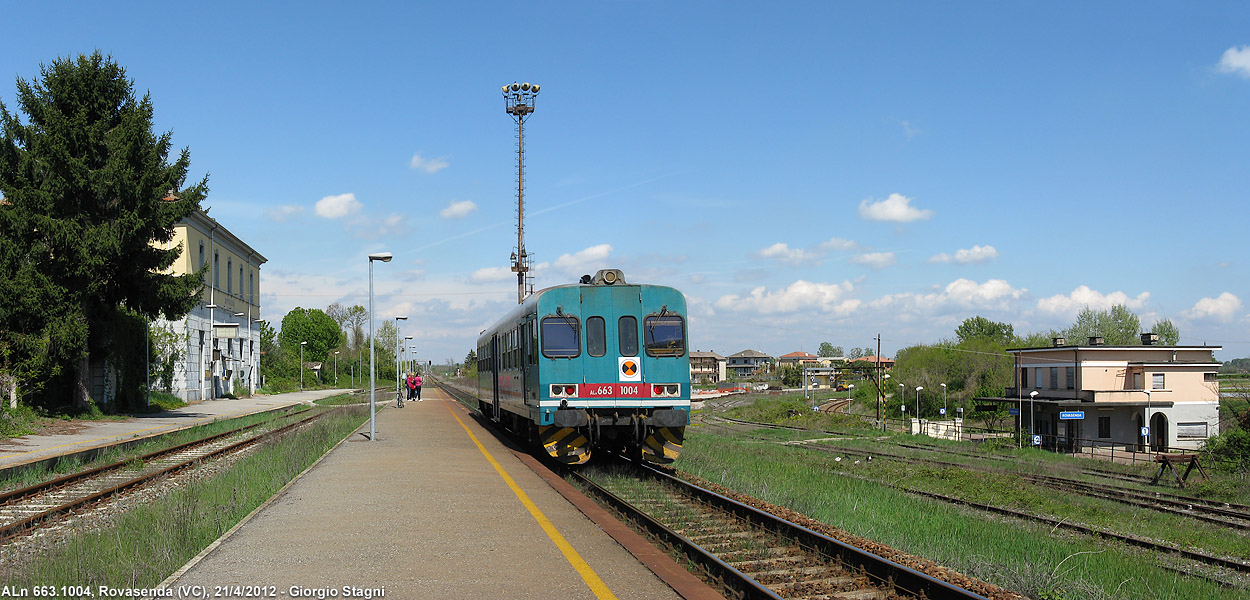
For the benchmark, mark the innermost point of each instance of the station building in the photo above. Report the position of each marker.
(1103, 395)
(222, 333)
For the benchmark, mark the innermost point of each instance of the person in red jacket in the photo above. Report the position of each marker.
(417, 385)
(412, 384)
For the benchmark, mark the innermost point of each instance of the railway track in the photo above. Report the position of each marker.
(749, 552)
(755, 554)
(24, 510)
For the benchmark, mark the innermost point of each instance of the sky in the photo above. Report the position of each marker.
(803, 171)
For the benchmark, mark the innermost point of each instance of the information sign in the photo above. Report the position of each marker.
(1013, 411)
(1072, 414)
(1145, 431)
(1037, 440)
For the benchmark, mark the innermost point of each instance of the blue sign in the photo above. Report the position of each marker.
(1013, 411)
(1037, 440)
(942, 411)
(1072, 414)
(1145, 432)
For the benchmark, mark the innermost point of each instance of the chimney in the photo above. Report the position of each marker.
(1057, 342)
(1097, 340)
(1150, 339)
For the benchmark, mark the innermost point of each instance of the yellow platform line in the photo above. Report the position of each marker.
(588, 575)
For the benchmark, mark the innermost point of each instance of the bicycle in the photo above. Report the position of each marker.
(399, 399)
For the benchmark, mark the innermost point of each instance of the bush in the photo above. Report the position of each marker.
(1230, 450)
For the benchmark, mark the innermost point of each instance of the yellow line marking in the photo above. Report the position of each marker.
(588, 575)
(127, 434)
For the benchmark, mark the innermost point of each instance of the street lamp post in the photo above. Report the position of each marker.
(399, 345)
(336, 368)
(1032, 395)
(918, 388)
(944, 401)
(881, 405)
(384, 257)
(301, 365)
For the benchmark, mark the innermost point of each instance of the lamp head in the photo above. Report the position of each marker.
(402, 318)
(943, 385)
(1033, 394)
(382, 256)
(919, 387)
(302, 343)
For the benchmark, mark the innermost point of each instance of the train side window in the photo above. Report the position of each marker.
(627, 333)
(561, 337)
(665, 335)
(533, 343)
(596, 337)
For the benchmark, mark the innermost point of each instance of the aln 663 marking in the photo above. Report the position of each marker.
(613, 390)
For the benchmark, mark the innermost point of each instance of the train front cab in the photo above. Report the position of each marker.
(614, 372)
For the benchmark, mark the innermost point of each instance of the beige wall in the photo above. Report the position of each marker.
(1125, 371)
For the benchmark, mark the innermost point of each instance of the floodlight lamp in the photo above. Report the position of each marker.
(210, 306)
(382, 256)
(303, 343)
(505, 90)
(534, 88)
(525, 87)
(516, 87)
(238, 314)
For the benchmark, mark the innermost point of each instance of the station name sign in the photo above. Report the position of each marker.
(1072, 414)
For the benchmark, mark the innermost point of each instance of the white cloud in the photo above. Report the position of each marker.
(282, 214)
(337, 207)
(585, 262)
(1236, 60)
(492, 274)
(783, 253)
(895, 208)
(429, 165)
(959, 295)
(1222, 309)
(375, 229)
(1083, 296)
(875, 260)
(458, 210)
(800, 295)
(838, 243)
(975, 254)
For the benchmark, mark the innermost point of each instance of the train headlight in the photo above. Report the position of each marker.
(674, 389)
(657, 390)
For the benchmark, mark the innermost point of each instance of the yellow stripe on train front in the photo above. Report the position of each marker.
(663, 445)
(564, 444)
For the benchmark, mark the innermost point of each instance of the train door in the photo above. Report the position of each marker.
(602, 307)
(523, 360)
(494, 374)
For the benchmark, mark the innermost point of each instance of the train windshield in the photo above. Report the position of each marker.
(665, 335)
(560, 337)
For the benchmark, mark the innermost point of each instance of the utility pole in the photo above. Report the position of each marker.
(519, 102)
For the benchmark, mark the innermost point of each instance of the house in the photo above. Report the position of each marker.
(707, 367)
(871, 361)
(797, 359)
(748, 362)
(1094, 393)
(222, 332)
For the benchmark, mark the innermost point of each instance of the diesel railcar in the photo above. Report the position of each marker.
(597, 365)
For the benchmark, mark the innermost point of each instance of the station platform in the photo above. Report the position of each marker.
(435, 507)
(84, 436)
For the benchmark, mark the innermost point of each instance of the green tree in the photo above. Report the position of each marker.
(313, 326)
(980, 327)
(1169, 335)
(1118, 326)
(827, 349)
(84, 180)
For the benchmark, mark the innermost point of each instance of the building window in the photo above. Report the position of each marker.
(1054, 378)
(1209, 377)
(240, 280)
(1156, 381)
(200, 265)
(1104, 427)
(1191, 430)
(229, 279)
(1070, 375)
(216, 269)
(251, 288)
(1037, 378)
(1024, 377)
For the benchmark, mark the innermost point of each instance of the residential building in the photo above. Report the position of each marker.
(797, 359)
(886, 363)
(222, 332)
(749, 362)
(707, 367)
(1094, 393)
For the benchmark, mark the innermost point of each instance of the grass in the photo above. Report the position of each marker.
(69, 465)
(151, 541)
(1028, 558)
(342, 399)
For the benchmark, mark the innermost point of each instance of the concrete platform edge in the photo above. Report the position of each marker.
(225, 536)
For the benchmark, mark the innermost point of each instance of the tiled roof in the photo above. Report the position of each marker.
(749, 354)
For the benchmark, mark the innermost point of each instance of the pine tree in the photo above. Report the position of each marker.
(85, 183)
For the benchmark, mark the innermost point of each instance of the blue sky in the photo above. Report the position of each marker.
(804, 172)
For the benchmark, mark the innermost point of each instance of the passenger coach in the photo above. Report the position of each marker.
(601, 364)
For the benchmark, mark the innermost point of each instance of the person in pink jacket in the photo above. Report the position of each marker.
(417, 385)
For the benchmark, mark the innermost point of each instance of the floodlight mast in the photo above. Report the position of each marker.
(519, 103)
